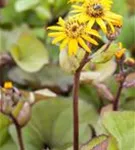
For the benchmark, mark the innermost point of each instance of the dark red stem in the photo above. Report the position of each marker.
(19, 132)
(76, 102)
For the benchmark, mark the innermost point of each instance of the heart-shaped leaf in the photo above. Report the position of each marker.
(29, 53)
(122, 127)
(52, 124)
(50, 76)
(101, 73)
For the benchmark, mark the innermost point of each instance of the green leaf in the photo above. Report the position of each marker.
(6, 37)
(52, 124)
(9, 15)
(113, 145)
(129, 104)
(121, 126)
(102, 56)
(9, 145)
(4, 123)
(101, 142)
(22, 5)
(101, 73)
(88, 94)
(43, 13)
(29, 53)
(50, 76)
(96, 142)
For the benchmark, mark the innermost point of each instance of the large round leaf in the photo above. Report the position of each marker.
(50, 76)
(52, 124)
(121, 126)
(29, 53)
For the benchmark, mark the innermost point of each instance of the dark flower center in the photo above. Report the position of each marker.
(95, 10)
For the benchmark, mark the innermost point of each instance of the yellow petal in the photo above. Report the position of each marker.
(61, 22)
(64, 43)
(58, 39)
(74, 44)
(120, 45)
(70, 48)
(77, 7)
(101, 24)
(108, 19)
(111, 26)
(75, 11)
(83, 44)
(113, 15)
(94, 32)
(91, 23)
(55, 34)
(56, 28)
(89, 39)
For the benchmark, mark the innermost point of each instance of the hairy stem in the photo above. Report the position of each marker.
(76, 102)
(19, 132)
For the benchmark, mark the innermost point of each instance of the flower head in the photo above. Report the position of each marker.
(73, 33)
(130, 61)
(83, 1)
(97, 11)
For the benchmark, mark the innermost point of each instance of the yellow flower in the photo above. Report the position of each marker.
(83, 1)
(8, 85)
(73, 33)
(97, 11)
(119, 54)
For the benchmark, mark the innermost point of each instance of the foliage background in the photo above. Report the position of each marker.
(35, 66)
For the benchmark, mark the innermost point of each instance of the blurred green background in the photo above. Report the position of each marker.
(33, 64)
(23, 36)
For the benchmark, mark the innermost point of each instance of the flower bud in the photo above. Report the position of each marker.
(113, 35)
(70, 63)
(6, 103)
(130, 62)
(120, 53)
(24, 114)
(8, 85)
(6, 106)
(114, 31)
